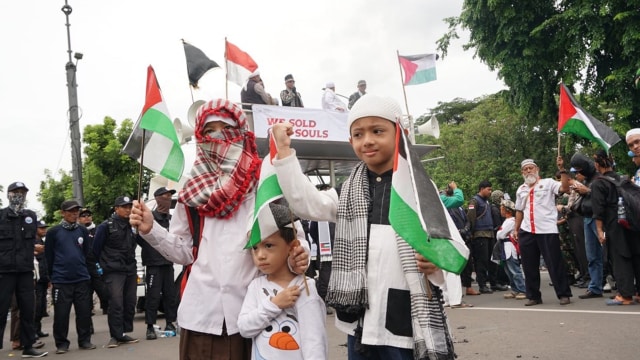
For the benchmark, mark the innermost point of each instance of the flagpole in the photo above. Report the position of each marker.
(226, 71)
(406, 103)
(144, 133)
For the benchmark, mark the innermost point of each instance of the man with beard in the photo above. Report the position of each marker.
(536, 231)
(18, 227)
(633, 142)
(159, 275)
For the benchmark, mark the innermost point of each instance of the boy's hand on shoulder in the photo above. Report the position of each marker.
(282, 135)
(287, 297)
(425, 266)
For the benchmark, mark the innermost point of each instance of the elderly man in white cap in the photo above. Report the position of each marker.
(253, 91)
(633, 142)
(536, 231)
(330, 100)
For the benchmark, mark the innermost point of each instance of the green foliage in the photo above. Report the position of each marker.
(489, 144)
(107, 173)
(538, 43)
(52, 193)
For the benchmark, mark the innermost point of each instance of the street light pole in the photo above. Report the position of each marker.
(73, 113)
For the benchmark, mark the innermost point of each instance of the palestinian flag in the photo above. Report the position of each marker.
(573, 119)
(417, 214)
(418, 69)
(162, 151)
(197, 63)
(239, 64)
(268, 191)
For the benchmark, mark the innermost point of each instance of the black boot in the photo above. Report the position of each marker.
(39, 332)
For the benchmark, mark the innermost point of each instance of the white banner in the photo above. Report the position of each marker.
(308, 124)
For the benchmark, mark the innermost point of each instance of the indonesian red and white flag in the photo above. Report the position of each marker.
(239, 64)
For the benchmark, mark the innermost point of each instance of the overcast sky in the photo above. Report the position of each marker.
(316, 41)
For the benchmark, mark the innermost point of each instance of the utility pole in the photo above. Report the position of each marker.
(73, 113)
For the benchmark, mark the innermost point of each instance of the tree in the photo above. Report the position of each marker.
(107, 173)
(489, 144)
(536, 44)
(53, 192)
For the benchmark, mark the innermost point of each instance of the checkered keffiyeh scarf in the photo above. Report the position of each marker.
(347, 285)
(227, 165)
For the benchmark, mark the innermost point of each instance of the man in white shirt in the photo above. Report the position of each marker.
(536, 230)
(330, 100)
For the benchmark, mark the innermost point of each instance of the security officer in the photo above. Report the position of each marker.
(160, 276)
(115, 247)
(18, 227)
(85, 218)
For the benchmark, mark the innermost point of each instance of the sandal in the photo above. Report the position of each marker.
(619, 300)
(461, 305)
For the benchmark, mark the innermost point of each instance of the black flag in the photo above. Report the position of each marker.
(197, 63)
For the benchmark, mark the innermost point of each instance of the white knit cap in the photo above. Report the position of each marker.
(632, 132)
(374, 105)
(330, 85)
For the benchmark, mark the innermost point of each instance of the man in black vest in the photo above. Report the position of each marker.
(115, 248)
(253, 92)
(362, 89)
(18, 227)
(160, 277)
(479, 215)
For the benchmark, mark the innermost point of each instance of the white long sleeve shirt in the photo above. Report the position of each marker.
(297, 333)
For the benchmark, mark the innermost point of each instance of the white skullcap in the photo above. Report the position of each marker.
(330, 84)
(632, 132)
(526, 162)
(212, 118)
(374, 105)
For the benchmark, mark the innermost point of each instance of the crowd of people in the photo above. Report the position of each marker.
(72, 260)
(257, 302)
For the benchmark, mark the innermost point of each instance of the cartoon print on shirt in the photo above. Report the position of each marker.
(280, 339)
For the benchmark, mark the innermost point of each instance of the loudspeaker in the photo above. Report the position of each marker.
(184, 132)
(431, 127)
(191, 113)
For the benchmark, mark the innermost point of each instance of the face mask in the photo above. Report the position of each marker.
(16, 201)
(163, 205)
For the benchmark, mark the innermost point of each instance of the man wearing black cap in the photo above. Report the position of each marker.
(66, 254)
(362, 87)
(18, 227)
(289, 96)
(160, 276)
(115, 248)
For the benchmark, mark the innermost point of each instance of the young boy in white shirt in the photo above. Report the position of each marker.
(283, 319)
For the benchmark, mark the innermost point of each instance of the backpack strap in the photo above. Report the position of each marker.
(196, 223)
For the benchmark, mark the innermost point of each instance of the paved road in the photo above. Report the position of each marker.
(494, 328)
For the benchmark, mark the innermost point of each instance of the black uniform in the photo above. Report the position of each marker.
(17, 239)
(41, 289)
(114, 246)
(159, 280)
